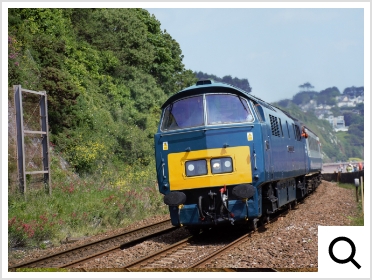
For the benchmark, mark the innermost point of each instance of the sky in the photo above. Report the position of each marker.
(276, 49)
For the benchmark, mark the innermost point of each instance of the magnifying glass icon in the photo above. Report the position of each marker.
(348, 259)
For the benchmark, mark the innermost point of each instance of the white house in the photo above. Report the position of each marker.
(337, 123)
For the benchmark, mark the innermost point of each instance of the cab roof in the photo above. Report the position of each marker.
(205, 86)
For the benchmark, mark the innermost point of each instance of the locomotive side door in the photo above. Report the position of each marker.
(266, 136)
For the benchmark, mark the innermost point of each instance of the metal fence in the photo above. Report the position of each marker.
(343, 177)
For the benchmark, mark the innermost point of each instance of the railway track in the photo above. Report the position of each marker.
(171, 255)
(166, 259)
(85, 252)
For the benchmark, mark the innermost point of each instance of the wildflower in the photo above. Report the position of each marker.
(43, 218)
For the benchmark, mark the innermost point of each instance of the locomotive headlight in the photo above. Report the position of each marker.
(221, 165)
(191, 167)
(196, 167)
(216, 165)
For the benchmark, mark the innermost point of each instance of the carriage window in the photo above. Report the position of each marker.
(184, 113)
(226, 108)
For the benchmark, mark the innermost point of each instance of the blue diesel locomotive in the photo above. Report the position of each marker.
(225, 156)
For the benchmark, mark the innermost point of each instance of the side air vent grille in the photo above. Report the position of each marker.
(274, 126)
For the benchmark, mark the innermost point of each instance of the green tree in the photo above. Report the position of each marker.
(328, 96)
(240, 83)
(306, 86)
(62, 96)
(302, 98)
(353, 91)
(106, 73)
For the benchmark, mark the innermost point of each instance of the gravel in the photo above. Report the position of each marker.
(288, 243)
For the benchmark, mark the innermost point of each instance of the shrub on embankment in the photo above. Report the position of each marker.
(80, 207)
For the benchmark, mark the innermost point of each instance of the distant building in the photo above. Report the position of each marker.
(323, 111)
(349, 101)
(337, 123)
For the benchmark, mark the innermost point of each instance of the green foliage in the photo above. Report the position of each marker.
(62, 95)
(351, 118)
(353, 91)
(106, 73)
(83, 206)
(303, 97)
(358, 220)
(327, 96)
(240, 83)
(306, 86)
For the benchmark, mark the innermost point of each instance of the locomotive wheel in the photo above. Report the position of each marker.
(253, 224)
(294, 203)
(265, 219)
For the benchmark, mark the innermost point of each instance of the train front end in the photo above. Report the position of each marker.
(206, 161)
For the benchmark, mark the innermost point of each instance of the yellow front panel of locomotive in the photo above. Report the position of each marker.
(242, 171)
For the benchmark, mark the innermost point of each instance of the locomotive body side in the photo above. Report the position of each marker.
(223, 156)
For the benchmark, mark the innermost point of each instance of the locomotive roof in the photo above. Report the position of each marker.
(209, 86)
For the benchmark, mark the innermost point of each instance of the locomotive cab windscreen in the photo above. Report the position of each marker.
(206, 109)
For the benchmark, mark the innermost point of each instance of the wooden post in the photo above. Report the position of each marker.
(357, 183)
(20, 138)
(356, 194)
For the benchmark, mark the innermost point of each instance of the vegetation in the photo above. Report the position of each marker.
(82, 206)
(240, 83)
(358, 220)
(106, 73)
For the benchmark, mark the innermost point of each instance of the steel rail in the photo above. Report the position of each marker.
(236, 242)
(164, 251)
(45, 261)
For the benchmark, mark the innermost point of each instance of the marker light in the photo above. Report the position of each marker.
(221, 165)
(196, 167)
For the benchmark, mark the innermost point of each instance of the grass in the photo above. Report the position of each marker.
(358, 220)
(81, 207)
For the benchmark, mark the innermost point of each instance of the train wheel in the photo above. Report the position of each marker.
(253, 224)
(265, 219)
(294, 203)
(268, 219)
